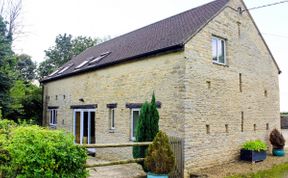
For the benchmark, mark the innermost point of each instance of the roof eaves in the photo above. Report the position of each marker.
(177, 47)
(277, 66)
(204, 24)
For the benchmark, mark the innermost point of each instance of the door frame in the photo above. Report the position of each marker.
(82, 123)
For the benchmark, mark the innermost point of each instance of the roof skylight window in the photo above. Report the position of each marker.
(65, 68)
(81, 65)
(97, 59)
(53, 73)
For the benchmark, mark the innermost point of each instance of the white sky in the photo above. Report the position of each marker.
(43, 20)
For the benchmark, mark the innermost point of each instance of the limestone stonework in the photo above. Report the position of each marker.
(201, 101)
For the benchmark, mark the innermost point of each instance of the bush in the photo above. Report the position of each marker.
(39, 152)
(160, 158)
(277, 139)
(255, 145)
(147, 128)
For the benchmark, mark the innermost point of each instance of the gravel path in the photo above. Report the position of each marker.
(118, 171)
(241, 167)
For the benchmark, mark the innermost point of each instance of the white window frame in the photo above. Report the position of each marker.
(53, 114)
(81, 123)
(132, 137)
(221, 39)
(112, 118)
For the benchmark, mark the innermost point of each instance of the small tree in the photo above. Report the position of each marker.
(147, 127)
(160, 158)
(277, 139)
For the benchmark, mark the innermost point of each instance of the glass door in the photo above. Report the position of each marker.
(84, 126)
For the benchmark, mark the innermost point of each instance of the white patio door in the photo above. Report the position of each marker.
(84, 126)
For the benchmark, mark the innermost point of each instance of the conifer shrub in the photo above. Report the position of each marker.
(160, 158)
(277, 139)
(147, 127)
(38, 152)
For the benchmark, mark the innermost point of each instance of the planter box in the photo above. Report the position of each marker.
(252, 156)
(152, 175)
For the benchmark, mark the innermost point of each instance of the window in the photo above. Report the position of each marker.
(94, 60)
(65, 68)
(112, 118)
(135, 114)
(84, 126)
(218, 50)
(81, 65)
(53, 117)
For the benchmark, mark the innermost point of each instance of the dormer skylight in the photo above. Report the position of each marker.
(82, 64)
(53, 73)
(97, 59)
(65, 68)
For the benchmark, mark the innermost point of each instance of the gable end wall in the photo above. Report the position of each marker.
(223, 103)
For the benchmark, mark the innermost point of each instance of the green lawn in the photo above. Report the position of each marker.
(278, 171)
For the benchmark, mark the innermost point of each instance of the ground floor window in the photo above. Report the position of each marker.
(52, 117)
(135, 114)
(84, 126)
(112, 118)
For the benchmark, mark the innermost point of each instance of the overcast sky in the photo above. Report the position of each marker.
(43, 20)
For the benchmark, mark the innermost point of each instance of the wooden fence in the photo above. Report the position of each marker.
(177, 145)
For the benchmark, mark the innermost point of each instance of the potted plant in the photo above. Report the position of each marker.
(253, 151)
(160, 160)
(278, 142)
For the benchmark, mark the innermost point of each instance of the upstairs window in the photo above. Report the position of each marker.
(218, 50)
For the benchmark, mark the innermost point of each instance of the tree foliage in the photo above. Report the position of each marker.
(147, 127)
(26, 67)
(64, 49)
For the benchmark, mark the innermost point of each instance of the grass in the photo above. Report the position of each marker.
(278, 171)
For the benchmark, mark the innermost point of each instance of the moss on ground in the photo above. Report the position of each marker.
(278, 171)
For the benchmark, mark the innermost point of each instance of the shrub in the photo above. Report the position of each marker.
(255, 145)
(277, 139)
(160, 158)
(39, 152)
(147, 128)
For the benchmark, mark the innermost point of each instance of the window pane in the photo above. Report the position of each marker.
(92, 125)
(214, 49)
(85, 128)
(77, 127)
(136, 115)
(112, 118)
(51, 116)
(221, 47)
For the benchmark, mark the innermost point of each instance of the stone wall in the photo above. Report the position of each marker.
(132, 82)
(213, 99)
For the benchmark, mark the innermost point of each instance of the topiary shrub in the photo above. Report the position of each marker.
(160, 158)
(39, 152)
(277, 139)
(147, 128)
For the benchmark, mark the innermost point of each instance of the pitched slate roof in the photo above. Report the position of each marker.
(168, 34)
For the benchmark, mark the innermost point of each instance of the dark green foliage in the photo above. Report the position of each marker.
(64, 49)
(26, 102)
(147, 127)
(277, 139)
(38, 152)
(255, 145)
(160, 158)
(26, 67)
